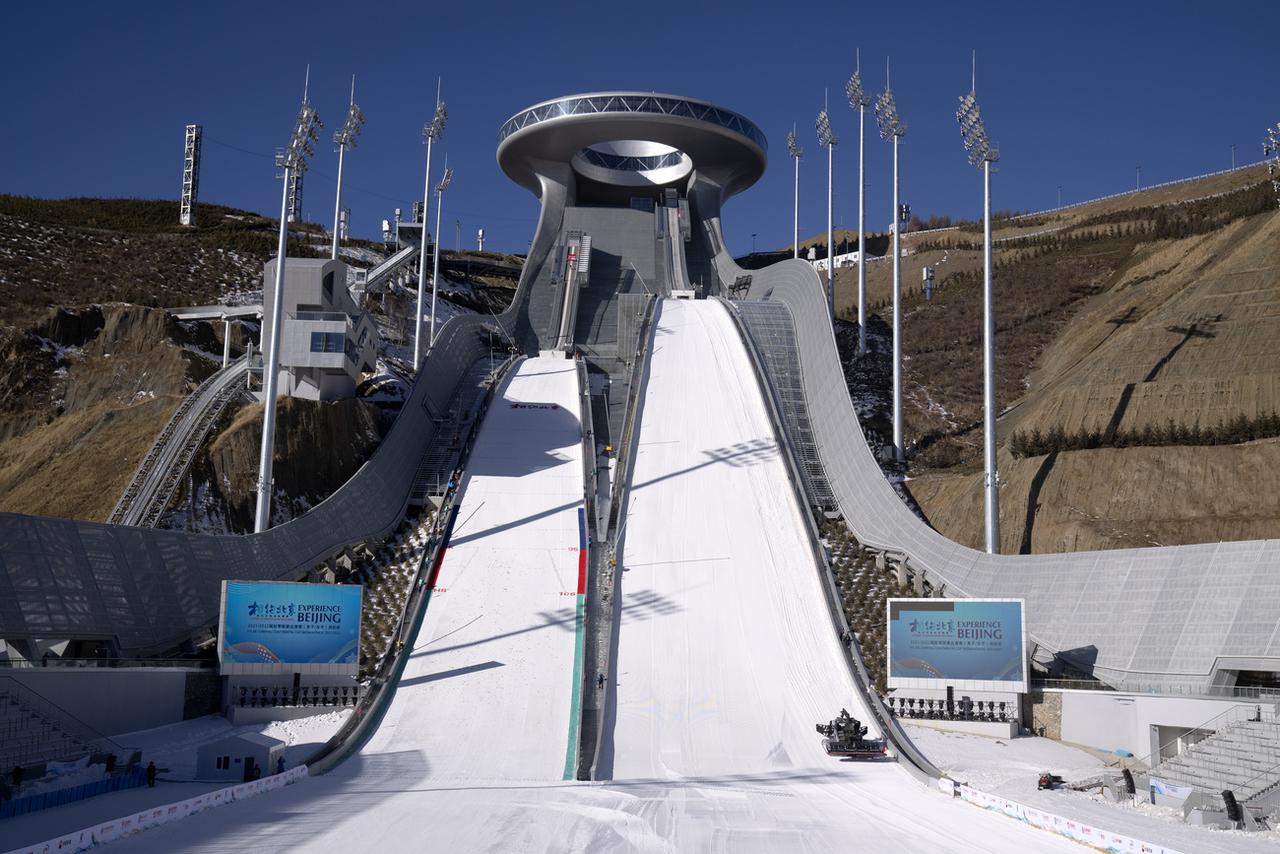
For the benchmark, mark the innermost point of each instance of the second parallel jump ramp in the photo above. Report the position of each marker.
(726, 655)
(488, 690)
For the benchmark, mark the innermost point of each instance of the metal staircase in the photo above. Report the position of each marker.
(378, 277)
(162, 469)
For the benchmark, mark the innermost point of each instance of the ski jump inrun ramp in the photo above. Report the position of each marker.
(725, 657)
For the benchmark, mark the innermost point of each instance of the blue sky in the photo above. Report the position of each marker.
(1075, 94)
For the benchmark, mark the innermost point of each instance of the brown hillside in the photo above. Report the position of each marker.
(1164, 333)
(106, 381)
(1190, 333)
(318, 447)
(1115, 498)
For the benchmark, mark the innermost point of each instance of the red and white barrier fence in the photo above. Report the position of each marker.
(1077, 831)
(118, 828)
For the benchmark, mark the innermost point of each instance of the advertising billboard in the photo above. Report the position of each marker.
(978, 644)
(288, 626)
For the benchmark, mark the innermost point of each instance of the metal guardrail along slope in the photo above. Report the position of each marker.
(162, 469)
(1141, 618)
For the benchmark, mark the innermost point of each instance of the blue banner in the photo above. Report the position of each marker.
(956, 639)
(276, 623)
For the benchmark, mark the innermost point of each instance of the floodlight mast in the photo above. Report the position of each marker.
(293, 160)
(981, 151)
(435, 267)
(345, 138)
(828, 140)
(892, 127)
(431, 132)
(796, 152)
(859, 101)
(1271, 150)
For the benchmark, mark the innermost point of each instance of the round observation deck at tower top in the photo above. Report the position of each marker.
(633, 140)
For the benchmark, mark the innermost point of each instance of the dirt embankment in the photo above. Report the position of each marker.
(1115, 498)
(319, 446)
(1186, 333)
(84, 395)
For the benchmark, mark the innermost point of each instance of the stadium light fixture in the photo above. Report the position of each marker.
(796, 153)
(859, 100)
(293, 161)
(1271, 150)
(344, 139)
(431, 132)
(827, 139)
(435, 267)
(893, 128)
(983, 153)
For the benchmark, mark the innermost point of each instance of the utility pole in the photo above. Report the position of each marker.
(435, 267)
(859, 101)
(796, 153)
(431, 132)
(828, 140)
(293, 160)
(345, 138)
(982, 151)
(893, 128)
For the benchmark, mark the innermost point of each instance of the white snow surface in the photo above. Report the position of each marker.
(173, 749)
(1010, 767)
(726, 659)
(487, 693)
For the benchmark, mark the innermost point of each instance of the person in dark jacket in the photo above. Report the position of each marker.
(151, 775)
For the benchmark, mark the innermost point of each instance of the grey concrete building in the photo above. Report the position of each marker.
(327, 340)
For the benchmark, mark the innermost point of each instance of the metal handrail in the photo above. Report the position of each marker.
(1213, 691)
(621, 477)
(115, 663)
(335, 316)
(58, 716)
(1215, 723)
(633, 386)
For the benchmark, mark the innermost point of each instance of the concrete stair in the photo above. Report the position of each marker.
(1243, 756)
(27, 737)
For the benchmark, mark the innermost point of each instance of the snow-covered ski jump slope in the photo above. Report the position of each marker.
(726, 658)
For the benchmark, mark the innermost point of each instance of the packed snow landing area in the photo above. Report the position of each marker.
(726, 659)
